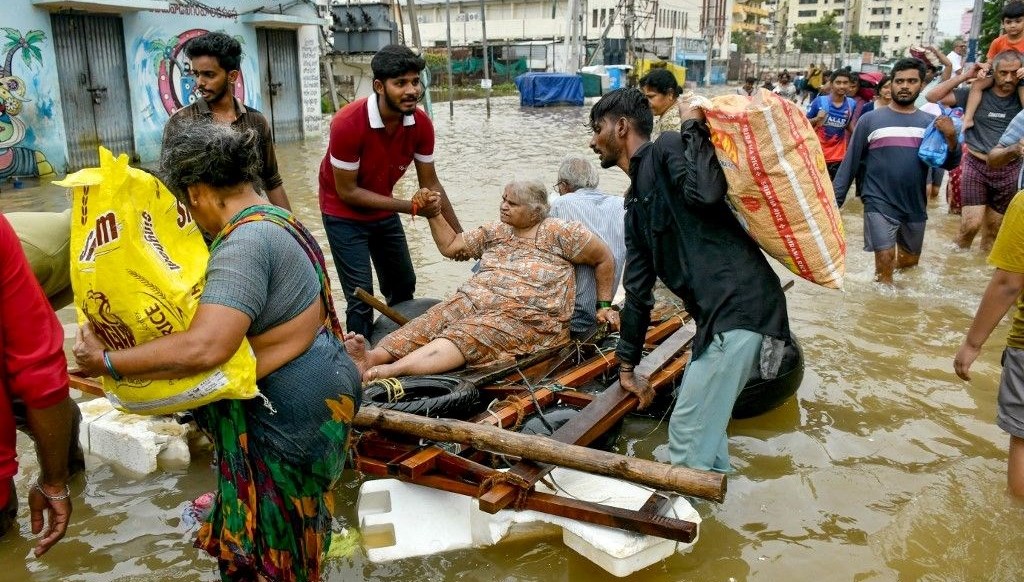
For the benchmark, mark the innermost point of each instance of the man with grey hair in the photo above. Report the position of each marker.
(602, 214)
(988, 183)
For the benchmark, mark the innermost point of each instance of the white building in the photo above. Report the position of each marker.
(656, 24)
(899, 24)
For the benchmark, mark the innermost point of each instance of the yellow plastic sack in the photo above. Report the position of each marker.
(138, 263)
(778, 183)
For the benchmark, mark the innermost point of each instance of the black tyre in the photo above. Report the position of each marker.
(412, 308)
(760, 396)
(434, 396)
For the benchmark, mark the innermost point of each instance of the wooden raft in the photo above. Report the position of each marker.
(459, 469)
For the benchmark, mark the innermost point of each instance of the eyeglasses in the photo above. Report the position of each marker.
(558, 185)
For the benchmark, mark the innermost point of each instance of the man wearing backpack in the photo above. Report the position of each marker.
(883, 153)
(832, 118)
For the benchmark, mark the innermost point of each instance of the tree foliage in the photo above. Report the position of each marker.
(991, 25)
(866, 44)
(812, 36)
(745, 42)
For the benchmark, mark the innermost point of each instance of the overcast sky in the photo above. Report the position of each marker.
(950, 13)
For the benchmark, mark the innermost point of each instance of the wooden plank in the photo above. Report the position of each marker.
(574, 398)
(380, 306)
(655, 504)
(87, 385)
(420, 463)
(595, 419)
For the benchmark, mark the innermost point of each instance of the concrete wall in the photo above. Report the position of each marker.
(32, 141)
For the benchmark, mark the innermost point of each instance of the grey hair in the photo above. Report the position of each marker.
(198, 151)
(577, 172)
(1006, 56)
(533, 193)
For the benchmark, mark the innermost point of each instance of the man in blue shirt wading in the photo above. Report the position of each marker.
(883, 153)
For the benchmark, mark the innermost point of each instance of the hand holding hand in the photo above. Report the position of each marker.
(426, 202)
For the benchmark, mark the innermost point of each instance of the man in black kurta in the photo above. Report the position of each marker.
(680, 229)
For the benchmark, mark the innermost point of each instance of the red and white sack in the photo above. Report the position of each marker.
(778, 183)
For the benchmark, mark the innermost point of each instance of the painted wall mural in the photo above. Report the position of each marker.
(176, 88)
(18, 156)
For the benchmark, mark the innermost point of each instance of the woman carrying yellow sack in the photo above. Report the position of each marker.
(277, 456)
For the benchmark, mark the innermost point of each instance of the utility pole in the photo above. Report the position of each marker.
(972, 43)
(414, 23)
(448, 40)
(487, 60)
(627, 32)
(707, 24)
(844, 43)
(573, 37)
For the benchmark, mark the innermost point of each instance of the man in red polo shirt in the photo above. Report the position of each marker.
(373, 142)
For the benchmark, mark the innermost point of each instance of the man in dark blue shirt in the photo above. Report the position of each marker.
(680, 229)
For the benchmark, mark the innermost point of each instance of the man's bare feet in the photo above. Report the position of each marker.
(355, 345)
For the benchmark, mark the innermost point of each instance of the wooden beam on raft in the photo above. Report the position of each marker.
(380, 306)
(683, 480)
(596, 418)
(87, 385)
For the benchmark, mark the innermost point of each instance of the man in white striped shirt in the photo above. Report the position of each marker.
(602, 214)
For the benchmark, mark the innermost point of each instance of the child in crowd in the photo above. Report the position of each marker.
(1011, 39)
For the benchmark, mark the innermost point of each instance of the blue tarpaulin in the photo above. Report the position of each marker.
(543, 89)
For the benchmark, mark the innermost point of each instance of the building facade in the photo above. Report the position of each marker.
(84, 74)
(899, 24)
(654, 26)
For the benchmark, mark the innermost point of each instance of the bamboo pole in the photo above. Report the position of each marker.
(381, 306)
(704, 484)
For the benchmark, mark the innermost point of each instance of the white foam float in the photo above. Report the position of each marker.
(140, 444)
(404, 520)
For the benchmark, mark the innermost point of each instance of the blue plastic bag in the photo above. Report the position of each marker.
(933, 149)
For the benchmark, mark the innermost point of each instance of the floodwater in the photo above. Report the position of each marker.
(884, 467)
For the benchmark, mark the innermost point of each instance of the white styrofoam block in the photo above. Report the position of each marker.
(137, 443)
(407, 520)
(417, 521)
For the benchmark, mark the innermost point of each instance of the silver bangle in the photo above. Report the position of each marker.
(66, 495)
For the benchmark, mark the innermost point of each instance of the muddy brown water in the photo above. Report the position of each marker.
(884, 467)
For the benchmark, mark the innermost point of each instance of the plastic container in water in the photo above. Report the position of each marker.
(591, 84)
(615, 78)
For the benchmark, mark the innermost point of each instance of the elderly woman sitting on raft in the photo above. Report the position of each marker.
(519, 301)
